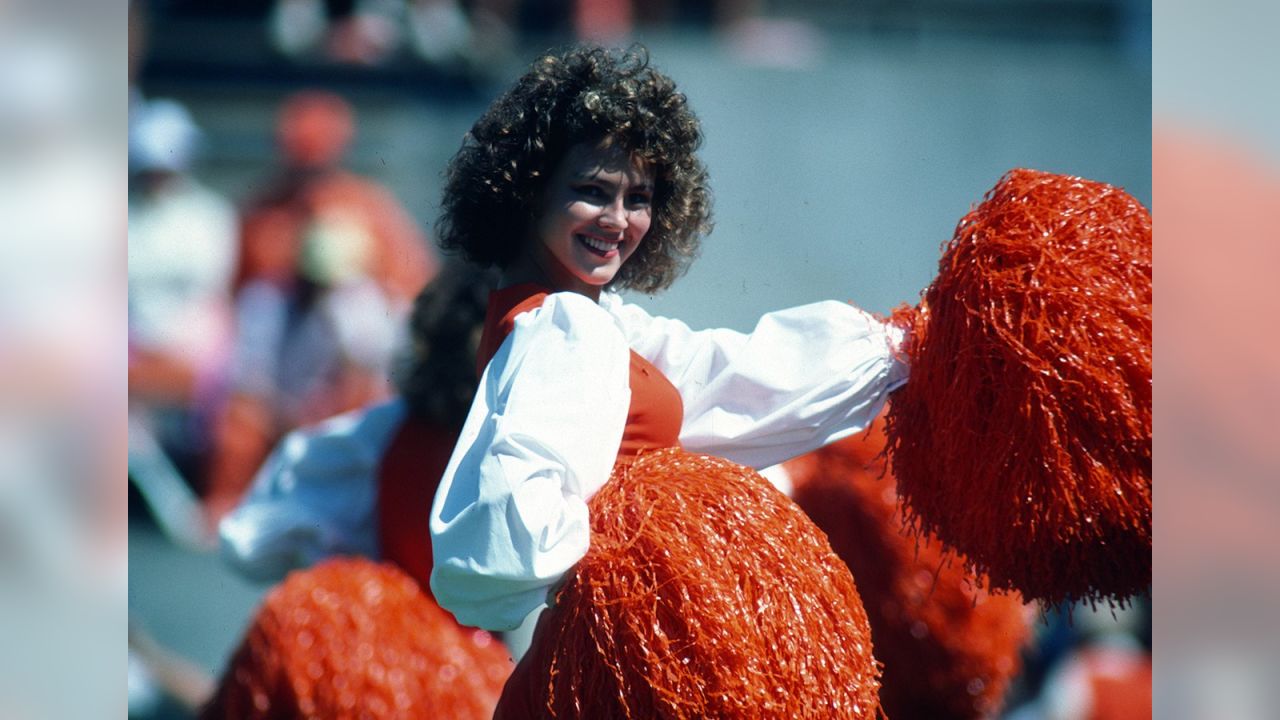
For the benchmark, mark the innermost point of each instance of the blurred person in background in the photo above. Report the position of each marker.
(329, 265)
(752, 36)
(183, 240)
(612, 21)
(344, 31)
(313, 199)
(1095, 664)
(445, 33)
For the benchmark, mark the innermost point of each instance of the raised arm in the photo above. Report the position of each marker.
(314, 497)
(804, 377)
(542, 436)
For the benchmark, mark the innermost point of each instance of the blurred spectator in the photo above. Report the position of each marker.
(439, 30)
(613, 21)
(371, 32)
(602, 21)
(1091, 664)
(347, 31)
(1107, 679)
(482, 34)
(182, 253)
(314, 209)
(330, 263)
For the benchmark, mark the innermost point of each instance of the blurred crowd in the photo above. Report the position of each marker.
(453, 35)
(248, 321)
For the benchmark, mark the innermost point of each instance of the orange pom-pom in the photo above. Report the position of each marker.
(355, 639)
(1024, 436)
(705, 593)
(949, 649)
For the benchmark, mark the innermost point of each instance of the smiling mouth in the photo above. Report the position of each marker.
(602, 248)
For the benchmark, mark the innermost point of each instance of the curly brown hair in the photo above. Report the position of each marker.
(585, 94)
(436, 374)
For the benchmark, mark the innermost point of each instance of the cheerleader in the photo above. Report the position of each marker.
(583, 180)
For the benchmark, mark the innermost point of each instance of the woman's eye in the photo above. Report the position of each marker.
(639, 199)
(590, 191)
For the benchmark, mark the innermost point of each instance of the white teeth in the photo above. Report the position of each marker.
(597, 244)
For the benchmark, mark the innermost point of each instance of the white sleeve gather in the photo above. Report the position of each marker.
(803, 378)
(315, 496)
(542, 436)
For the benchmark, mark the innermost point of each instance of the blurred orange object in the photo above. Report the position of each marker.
(949, 649)
(352, 639)
(1101, 682)
(243, 433)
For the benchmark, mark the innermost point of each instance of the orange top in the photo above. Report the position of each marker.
(415, 460)
(408, 478)
(656, 412)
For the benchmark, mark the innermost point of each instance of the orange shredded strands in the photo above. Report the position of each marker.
(949, 649)
(354, 639)
(705, 593)
(1023, 439)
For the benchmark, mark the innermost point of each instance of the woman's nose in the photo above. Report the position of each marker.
(613, 215)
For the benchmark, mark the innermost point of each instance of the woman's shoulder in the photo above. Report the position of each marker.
(640, 327)
(570, 307)
(626, 315)
(521, 315)
(570, 320)
(566, 312)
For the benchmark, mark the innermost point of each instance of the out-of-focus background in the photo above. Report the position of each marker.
(844, 139)
(1216, 169)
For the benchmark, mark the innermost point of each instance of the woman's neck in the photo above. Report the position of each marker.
(542, 268)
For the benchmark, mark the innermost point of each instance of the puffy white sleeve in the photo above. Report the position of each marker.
(510, 517)
(803, 378)
(315, 496)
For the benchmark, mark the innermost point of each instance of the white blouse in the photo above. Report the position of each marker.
(315, 496)
(510, 517)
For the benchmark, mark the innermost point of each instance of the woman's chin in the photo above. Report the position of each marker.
(597, 276)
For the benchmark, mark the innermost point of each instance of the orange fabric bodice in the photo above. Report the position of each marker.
(408, 478)
(656, 412)
(413, 463)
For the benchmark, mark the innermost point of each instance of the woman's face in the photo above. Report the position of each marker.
(597, 210)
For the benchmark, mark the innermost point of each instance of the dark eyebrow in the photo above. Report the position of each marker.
(594, 176)
(590, 176)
